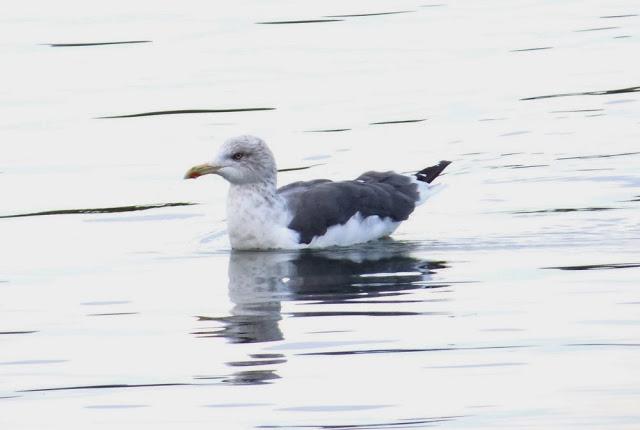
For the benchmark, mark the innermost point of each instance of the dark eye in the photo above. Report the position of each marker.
(237, 156)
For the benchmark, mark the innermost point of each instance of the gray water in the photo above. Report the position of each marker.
(510, 300)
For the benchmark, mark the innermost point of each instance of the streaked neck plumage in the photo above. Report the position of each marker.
(257, 216)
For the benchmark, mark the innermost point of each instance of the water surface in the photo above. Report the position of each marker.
(510, 299)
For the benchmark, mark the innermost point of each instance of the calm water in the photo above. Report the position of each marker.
(510, 300)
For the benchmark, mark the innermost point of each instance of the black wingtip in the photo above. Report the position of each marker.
(428, 174)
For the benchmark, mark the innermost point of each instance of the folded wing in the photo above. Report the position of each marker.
(320, 204)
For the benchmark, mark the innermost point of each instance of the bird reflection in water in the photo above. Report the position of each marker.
(260, 281)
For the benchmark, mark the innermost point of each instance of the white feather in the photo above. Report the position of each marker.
(356, 230)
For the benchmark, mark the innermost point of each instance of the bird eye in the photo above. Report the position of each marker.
(237, 156)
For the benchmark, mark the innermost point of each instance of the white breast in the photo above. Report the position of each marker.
(257, 219)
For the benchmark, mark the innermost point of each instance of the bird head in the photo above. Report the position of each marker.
(240, 160)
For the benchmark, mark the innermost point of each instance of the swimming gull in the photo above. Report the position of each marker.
(313, 214)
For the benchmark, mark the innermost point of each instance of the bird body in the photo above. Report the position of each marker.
(312, 214)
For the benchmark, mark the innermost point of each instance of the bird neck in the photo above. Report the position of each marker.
(255, 215)
(248, 203)
(263, 191)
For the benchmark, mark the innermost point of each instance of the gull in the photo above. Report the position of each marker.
(309, 214)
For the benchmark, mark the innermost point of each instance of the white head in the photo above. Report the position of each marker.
(241, 160)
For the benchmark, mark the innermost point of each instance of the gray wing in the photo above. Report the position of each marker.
(320, 204)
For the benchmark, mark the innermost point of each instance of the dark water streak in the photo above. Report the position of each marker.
(597, 266)
(586, 157)
(596, 29)
(576, 110)
(412, 350)
(185, 111)
(256, 362)
(532, 49)
(518, 166)
(303, 21)
(586, 93)
(106, 386)
(112, 314)
(67, 45)
(564, 210)
(293, 169)
(329, 130)
(362, 313)
(18, 332)
(403, 423)
(356, 15)
(403, 121)
(115, 209)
